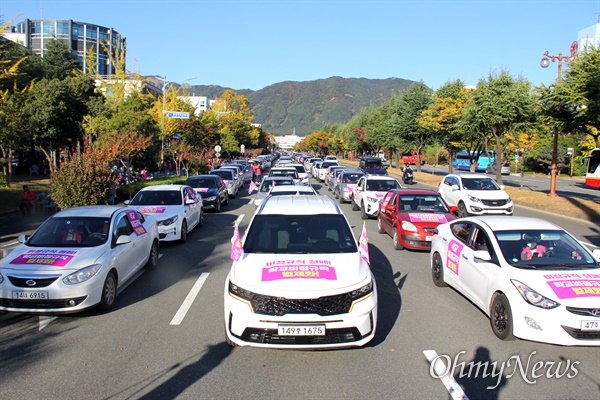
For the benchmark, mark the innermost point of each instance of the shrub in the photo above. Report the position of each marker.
(82, 181)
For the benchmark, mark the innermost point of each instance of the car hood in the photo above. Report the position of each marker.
(206, 192)
(424, 218)
(51, 259)
(293, 275)
(488, 194)
(159, 212)
(576, 288)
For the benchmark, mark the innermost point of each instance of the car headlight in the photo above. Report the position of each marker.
(362, 291)
(168, 221)
(211, 198)
(82, 275)
(533, 297)
(474, 199)
(372, 199)
(509, 200)
(409, 226)
(240, 292)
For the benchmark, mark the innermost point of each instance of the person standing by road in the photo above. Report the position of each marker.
(26, 201)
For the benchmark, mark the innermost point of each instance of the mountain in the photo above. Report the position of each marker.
(307, 106)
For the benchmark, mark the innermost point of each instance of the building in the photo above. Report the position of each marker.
(200, 103)
(288, 141)
(589, 36)
(80, 37)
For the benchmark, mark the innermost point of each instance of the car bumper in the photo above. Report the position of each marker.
(371, 208)
(557, 326)
(353, 329)
(479, 209)
(168, 233)
(210, 203)
(416, 242)
(61, 298)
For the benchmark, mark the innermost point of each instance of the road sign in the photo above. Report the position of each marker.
(218, 149)
(177, 136)
(178, 114)
(242, 147)
(217, 154)
(516, 157)
(569, 150)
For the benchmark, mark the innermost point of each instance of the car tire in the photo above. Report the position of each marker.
(379, 226)
(437, 271)
(462, 210)
(363, 213)
(396, 240)
(184, 232)
(152, 262)
(109, 292)
(501, 317)
(354, 205)
(226, 199)
(201, 218)
(335, 194)
(218, 205)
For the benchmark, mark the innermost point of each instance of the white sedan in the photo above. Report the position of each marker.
(530, 277)
(177, 208)
(77, 259)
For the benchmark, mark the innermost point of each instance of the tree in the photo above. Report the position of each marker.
(59, 62)
(500, 104)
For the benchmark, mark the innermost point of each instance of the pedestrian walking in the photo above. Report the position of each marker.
(26, 201)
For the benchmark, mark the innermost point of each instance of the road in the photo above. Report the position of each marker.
(151, 347)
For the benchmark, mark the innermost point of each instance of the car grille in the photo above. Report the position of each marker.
(579, 334)
(39, 282)
(593, 312)
(44, 304)
(332, 336)
(331, 305)
(494, 203)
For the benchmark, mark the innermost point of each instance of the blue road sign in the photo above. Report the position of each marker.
(178, 114)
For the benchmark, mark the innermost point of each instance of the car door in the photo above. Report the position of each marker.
(126, 258)
(389, 212)
(449, 194)
(191, 211)
(478, 275)
(358, 191)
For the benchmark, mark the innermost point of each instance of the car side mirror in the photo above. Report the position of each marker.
(127, 202)
(455, 187)
(123, 239)
(482, 255)
(189, 202)
(22, 238)
(390, 207)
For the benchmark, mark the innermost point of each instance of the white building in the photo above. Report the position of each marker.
(200, 103)
(589, 36)
(288, 141)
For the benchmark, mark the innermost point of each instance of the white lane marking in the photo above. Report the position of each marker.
(45, 321)
(446, 377)
(239, 219)
(187, 303)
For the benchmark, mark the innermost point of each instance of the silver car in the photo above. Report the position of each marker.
(346, 183)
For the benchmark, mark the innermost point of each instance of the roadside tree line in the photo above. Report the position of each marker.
(502, 113)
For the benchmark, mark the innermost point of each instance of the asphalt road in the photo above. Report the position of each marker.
(146, 348)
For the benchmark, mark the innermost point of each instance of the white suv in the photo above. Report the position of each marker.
(475, 194)
(300, 282)
(369, 191)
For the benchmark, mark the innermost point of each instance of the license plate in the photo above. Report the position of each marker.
(30, 295)
(428, 238)
(590, 325)
(301, 330)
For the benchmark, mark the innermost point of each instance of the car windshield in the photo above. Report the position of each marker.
(382, 185)
(302, 234)
(227, 175)
(292, 192)
(157, 198)
(371, 165)
(480, 184)
(351, 178)
(423, 203)
(268, 184)
(71, 232)
(290, 173)
(200, 183)
(543, 249)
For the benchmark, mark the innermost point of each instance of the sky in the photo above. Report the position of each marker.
(251, 44)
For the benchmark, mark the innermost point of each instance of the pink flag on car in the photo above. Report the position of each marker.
(252, 187)
(364, 243)
(236, 244)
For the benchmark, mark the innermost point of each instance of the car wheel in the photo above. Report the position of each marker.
(226, 198)
(201, 218)
(354, 205)
(153, 257)
(109, 292)
(396, 240)
(437, 271)
(335, 194)
(184, 232)
(218, 205)
(501, 317)
(379, 226)
(462, 210)
(363, 212)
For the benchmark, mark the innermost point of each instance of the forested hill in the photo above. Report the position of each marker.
(307, 106)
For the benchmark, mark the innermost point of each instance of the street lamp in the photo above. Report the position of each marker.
(545, 63)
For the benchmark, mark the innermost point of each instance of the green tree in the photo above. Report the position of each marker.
(59, 62)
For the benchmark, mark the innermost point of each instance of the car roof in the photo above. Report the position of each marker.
(163, 187)
(203, 177)
(379, 177)
(292, 188)
(511, 222)
(371, 159)
(103, 211)
(219, 169)
(416, 192)
(301, 205)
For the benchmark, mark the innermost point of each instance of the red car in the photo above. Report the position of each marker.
(410, 216)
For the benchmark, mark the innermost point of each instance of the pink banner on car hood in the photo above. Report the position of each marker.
(566, 289)
(55, 258)
(151, 210)
(308, 271)
(427, 217)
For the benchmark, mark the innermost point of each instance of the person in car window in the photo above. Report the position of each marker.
(533, 249)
